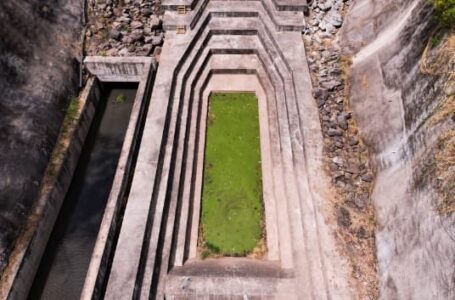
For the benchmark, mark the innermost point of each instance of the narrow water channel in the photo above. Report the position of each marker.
(67, 256)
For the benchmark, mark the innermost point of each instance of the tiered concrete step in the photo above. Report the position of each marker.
(174, 5)
(240, 43)
(230, 278)
(148, 232)
(282, 20)
(281, 5)
(228, 65)
(219, 63)
(177, 176)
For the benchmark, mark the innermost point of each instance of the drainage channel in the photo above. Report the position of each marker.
(67, 256)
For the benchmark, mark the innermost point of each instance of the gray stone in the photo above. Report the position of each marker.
(127, 40)
(331, 84)
(334, 18)
(367, 177)
(344, 217)
(154, 22)
(450, 90)
(136, 25)
(115, 34)
(158, 39)
(334, 132)
(361, 201)
(338, 160)
(137, 34)
(146, 12)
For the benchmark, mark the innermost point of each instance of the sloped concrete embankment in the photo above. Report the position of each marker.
(38, 41)
(394, 103)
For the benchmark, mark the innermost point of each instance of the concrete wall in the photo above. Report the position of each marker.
(115, 69)
(391, 101)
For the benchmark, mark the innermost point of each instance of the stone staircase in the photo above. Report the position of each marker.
(158, 237)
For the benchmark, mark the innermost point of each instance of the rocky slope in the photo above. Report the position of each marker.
(402, 97)
(347, 158)
(123, 28)
(37, 79)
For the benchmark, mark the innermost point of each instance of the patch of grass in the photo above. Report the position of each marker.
(232, 208)
(71, 116)
(436, 40)
(73, 108)
(120, 99)
(445, 12)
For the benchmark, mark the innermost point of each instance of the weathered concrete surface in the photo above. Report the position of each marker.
(120, 69)
(38, 40)
(136, 69)
(392, 100)
(25, 258)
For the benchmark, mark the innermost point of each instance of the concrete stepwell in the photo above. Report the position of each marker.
(224, 46)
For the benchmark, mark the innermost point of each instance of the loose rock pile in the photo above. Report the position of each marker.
(124, 27)
(347, 157)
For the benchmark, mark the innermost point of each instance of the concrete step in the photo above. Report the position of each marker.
(219, 63)
(235, 65)
(282, 20)
(222, 287)
(173, 113)
(280, 5)
(222, 46)
(224, 28)
(172, 201)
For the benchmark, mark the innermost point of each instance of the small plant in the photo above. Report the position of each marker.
(120, 99)
(445, 12)
(72, 107)
(205, 254)
(436, 40)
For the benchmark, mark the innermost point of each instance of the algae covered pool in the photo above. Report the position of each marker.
(232, 208)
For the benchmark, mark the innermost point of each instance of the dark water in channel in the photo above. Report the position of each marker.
(67, 256)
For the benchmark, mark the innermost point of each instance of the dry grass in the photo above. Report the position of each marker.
(259, 251)
(444, 159)
(445, 110)
(439, 60)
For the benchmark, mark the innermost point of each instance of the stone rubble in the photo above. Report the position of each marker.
(124, 28)
(347, 157)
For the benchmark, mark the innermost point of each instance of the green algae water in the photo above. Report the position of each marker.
(232, 207)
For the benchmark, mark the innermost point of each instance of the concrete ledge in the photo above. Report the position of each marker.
(136, 69)
(119, 69)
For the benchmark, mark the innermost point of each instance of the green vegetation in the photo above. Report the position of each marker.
(120, 99)
(232, 209)
(72, 109)
(68, 125)
(445, 11)
(436, 39)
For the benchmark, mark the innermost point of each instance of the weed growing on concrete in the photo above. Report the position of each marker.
(120, 99)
